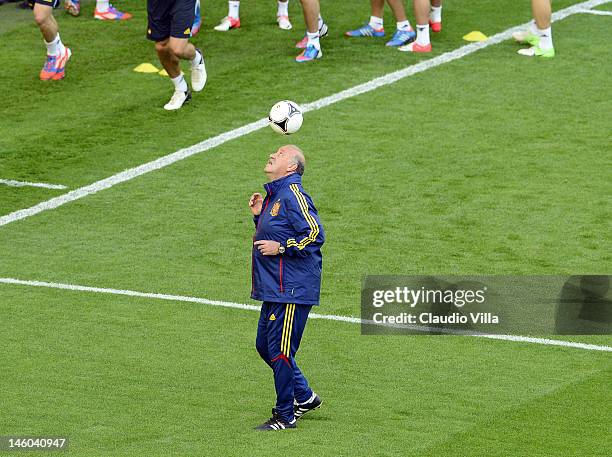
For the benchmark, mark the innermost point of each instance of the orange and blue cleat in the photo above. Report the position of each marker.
(55, 66)
(197, 21)
(73, 7)
(366, 31)
(309, 54)
(48, 70)
(111, 14)
(60, 64)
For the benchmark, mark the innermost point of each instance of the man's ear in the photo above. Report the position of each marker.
(292, 167)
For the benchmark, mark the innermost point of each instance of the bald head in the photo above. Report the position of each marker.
(287, 160)
(297, 157)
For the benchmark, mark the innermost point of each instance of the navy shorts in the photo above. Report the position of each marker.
(51, 3)
(170, 18)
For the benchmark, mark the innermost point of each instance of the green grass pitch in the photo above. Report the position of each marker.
(491, 164)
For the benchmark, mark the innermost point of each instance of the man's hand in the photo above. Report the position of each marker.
(255, 203)
(267, 247)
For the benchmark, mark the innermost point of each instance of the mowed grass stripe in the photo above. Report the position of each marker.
(218, 140)
(332, 317)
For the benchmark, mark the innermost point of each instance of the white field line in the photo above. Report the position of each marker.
(44, 185)
(597, 12)
(331, 317)
(218, 140)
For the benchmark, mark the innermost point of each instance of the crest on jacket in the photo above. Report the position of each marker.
(275, 208)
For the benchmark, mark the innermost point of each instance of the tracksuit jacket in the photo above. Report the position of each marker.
(288, 216)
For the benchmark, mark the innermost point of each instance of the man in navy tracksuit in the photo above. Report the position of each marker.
(287, 278)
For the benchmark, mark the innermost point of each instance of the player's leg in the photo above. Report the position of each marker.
(541, 33)
(261, 341)
(169, 61)
(421, 14)
(314, 23)
(176, 48)
(278, 321)
(374, 28)
(305, 399)
(404, 33)
(57, 54)
(541, 10)
(232, 20)
(282, 15)
(106, 12)
(435, 16)
(159, 15)
(183, 15)
(323, 30)
(171, 52)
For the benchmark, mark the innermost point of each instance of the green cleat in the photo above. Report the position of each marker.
(536, 51)
(526, 37)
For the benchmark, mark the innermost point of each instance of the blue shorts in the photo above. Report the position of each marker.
(51, 3)
(170, 18)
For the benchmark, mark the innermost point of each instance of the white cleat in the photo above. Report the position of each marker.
(529, 52)
(198, 75)
(284, 23)
(537, 51)
(179, 98)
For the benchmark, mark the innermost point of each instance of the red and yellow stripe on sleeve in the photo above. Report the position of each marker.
(314, 227)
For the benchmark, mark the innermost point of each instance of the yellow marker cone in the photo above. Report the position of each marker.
(475, 36)
(163, 73)
(146, 68)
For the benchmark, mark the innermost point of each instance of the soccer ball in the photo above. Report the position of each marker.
(286, 117)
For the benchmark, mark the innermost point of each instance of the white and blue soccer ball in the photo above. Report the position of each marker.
(286, 117)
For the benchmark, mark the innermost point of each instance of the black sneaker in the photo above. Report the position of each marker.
(300, 409)
(275, 423)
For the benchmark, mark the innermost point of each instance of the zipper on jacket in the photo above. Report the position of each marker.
(280, 273)
(254, 239)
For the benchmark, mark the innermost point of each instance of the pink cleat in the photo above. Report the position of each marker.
(415, 47)
(111, 14)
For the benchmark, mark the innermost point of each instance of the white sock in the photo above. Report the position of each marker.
(197, 60)
(313, 39)
(533, 27)
(376, 22)
(283, 9)
(404, 26)
(320, 22)
(422, 35)
(55, 47)
(102, 5)
(435, 14)
(234, 9)
(180, 83)
(545, 39)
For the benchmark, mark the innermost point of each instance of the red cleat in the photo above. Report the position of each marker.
(415, 47)
(435, 26)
